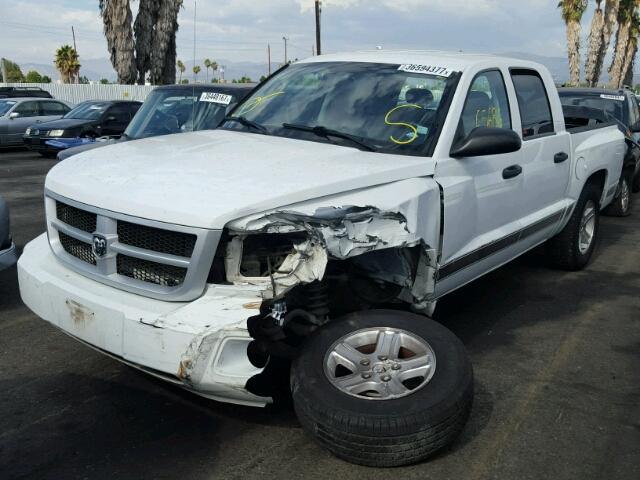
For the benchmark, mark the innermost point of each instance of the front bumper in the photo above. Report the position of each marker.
(8, 257)
(200, 345)
(38, 144)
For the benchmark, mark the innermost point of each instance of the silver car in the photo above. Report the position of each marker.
(16, 114)
(8, 253)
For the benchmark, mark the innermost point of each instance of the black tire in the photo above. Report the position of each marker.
(392, 432)
(635, 185)
(621, 204)
(564, 250)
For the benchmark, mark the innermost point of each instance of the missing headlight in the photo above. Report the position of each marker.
(263, 254)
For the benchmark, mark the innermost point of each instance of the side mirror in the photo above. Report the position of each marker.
(13, 115)
(487, 141)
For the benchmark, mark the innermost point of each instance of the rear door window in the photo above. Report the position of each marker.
(53, 108)
(28, 109)
(533, 103)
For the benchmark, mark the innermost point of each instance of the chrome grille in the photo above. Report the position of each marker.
(77, 248)
(152, 272)
(159, 260)
(156, 239)
(80, 219)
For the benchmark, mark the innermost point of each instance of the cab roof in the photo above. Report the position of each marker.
(456, 61)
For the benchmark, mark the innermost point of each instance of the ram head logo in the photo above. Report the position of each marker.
(99, 246)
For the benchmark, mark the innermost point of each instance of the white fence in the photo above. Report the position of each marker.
(76, 93)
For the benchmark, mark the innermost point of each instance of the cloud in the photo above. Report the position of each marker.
(239, 30)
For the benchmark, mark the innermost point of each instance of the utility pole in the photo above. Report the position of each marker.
(269, 57)
(5, 79)
(195, 9)
(318, 13)
(73, 34)
(285, 49)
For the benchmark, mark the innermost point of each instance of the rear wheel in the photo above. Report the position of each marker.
(382, 387)
(621, 205)
(572, 248)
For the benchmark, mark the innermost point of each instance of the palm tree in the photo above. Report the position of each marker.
(623, 37)
(610, 20)
(66, 61)
(143, 28)
(196, 71)
(632, 50)
(116, 16)
(154, 48)
(207, 65)
(163, 59)
(182, 68)
(595, 45)
(572, 11)
(214, 67)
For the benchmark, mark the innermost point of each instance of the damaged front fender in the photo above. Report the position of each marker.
(397, 216)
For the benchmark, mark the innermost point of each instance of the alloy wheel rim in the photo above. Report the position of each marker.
(587, 227)
(624, 195)
(380, 363)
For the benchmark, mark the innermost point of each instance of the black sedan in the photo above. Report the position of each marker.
(175, 109)
(89, 119)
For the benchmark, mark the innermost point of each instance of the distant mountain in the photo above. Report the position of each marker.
(96, 69)
(559, 66)
(92, 69)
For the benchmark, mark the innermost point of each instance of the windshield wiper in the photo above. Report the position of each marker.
(325, 132)
(247, 123)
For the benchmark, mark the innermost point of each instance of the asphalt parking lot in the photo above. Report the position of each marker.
(556, 358)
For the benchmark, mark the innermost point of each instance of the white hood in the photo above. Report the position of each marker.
(205, 179)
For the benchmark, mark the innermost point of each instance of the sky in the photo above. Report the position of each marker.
(239, 30)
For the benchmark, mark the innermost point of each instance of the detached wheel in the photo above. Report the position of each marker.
(572, 248)
(383, 388)
(621, 205)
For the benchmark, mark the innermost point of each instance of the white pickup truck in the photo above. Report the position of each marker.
(303, 246)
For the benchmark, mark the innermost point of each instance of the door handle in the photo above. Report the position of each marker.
(512, 171)
(560, 157)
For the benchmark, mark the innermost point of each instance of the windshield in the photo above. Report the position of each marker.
(175, 111)
(383, 107)
(609, 103)
(5, 106)
(88, 110)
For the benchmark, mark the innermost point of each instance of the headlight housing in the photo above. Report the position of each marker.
(56, 133)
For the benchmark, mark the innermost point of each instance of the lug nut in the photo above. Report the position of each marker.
(365, 362)
(385, 378)
(383, 358)
(396, 366)
(366, 375)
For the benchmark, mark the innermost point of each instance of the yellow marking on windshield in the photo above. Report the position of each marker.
(257, 101)
(401, 124)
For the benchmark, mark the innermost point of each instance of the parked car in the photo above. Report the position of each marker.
(88, 119)
(175, 109)
(622, 106)
(23, 92)
(319, 226)
(17, 114)
(8, 254)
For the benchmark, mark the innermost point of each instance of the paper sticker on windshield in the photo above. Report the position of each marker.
(620, 98)
(214, 97)
(426, 69)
